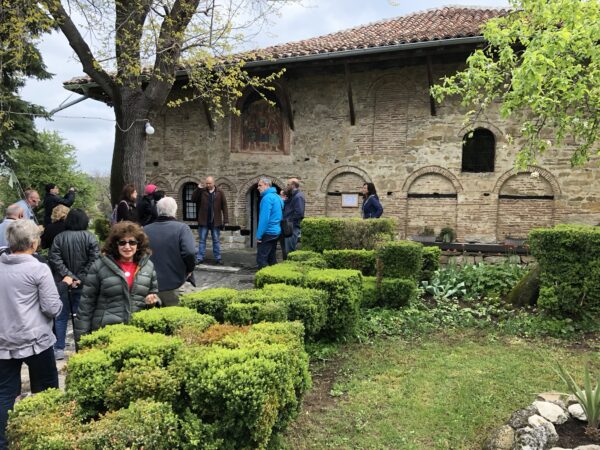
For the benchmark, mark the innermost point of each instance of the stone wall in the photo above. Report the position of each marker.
(413, 158)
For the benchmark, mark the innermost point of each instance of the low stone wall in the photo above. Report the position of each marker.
(533, 428)
(463, 258)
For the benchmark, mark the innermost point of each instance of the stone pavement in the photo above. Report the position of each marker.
(238, 273)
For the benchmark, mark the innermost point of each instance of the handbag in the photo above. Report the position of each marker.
(287, 227)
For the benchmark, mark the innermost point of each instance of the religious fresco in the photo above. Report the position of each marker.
(262, 128)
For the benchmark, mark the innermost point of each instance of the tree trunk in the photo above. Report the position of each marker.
(129, 155)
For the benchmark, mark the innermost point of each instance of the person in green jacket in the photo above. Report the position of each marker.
(121, 282)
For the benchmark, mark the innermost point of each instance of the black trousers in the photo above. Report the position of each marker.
(265, 251)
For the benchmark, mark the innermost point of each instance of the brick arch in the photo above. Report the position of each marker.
(435, 211)
(228, 182)
(161, 182)
(178, 185)
(498, 134)
(428, 170)
(239, 208)
(545, 174)
(343, 169)
(515, 215)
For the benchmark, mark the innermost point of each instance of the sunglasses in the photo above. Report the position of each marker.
(123, 243)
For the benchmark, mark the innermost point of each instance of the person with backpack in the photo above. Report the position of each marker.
(126, 208)
(146, 207)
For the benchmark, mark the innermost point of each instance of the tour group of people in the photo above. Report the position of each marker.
(145, 260)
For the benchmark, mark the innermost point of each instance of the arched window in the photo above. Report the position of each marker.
(478, 151)
(189, 207)
(262, 123)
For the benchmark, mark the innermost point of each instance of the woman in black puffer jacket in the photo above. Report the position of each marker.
(121, 282)
(72, 253)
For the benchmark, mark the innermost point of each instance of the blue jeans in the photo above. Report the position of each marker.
(215, 234)
(60, 323)
(292, 241)
(265, 251)
(42, 373)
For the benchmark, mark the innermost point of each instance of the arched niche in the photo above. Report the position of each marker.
(431, 200)
(526, 200)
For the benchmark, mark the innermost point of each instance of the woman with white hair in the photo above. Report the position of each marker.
(173, 251)
(29, 302)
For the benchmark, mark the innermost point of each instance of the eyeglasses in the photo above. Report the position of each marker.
(123, 243)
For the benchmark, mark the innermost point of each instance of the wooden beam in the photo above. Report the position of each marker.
(350, 98)
(430, 83)
(288, 105)
(211, 122)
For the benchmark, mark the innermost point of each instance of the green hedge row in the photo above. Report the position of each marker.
(272, 303)
(400, 259)
(324, 233)
(219, 387)
(569, 260)
(363, 260)
(308, 258)
(343, 288)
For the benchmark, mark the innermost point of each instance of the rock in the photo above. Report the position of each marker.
(577, 412)
(519, 418)
(572, 399)
(551, 412)
(501, 439)
(559, 448)
(526, 291)
(551, 396)
(588, 447)
(539, 436)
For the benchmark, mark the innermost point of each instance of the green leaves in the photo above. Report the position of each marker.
(589, 398)
(542, 67)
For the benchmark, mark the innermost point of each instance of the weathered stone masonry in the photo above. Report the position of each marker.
(410, 155)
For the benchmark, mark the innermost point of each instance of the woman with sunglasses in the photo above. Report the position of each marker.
(122, 281)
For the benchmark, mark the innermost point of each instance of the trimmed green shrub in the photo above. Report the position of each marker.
(397, 292)
(248, 313)
(431, 262)
(145, 380)
(304, 304)
(209, 301)
(363, 260)
(45, 421)
(369, 298)
(291, 273)
(169, 320)
(326, 233)
(569, 260)
(144, 424)
(103, 336)
(249, 392)
(307, 258)
(401, 259)
(89, 374)
(344, 288)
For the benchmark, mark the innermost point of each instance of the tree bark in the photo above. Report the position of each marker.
(129, 155)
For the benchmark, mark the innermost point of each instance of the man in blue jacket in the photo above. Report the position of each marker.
(293, 211)
(269, 223)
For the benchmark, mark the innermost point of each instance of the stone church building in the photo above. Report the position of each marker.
(354, 107)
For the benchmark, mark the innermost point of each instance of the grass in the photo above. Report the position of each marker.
(446, 391)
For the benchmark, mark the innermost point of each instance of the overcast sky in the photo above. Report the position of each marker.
(89, 125)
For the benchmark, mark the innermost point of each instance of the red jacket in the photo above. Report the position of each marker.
(201, 197)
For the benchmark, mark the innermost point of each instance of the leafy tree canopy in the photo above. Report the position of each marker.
(134, 51)
(55, 162)
(542, 65)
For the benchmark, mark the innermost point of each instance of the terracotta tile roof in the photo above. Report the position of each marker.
(437, 24)
(431, 25)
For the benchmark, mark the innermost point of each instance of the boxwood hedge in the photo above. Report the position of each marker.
(307, 258)
(569, 260)
(169, 320)
(291, 273)
(209, 301)
(326, 233)
(400, 259)
(431, 262)
(232, 392)
(396, 292)
(363, 260)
